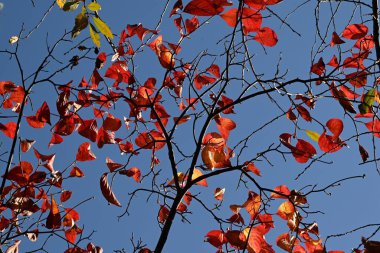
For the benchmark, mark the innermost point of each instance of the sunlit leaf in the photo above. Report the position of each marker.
(103, 27)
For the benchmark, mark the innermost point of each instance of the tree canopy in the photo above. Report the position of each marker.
(193, 126)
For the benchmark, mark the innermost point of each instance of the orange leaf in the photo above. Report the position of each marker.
(152, 140)
(253, 203)
(107, 191)
(225, 126)
(282, 189)
(374, 127)
(286, 210)
(197, 173)
(76, 172)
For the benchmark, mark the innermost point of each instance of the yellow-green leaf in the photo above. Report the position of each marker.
(313, 135)
(94, 6)
(81, 22)
(103, 27)
(95, 37)
(60, 3)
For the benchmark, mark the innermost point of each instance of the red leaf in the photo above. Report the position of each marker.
(107, 191)
(335, 126)
(43, 113)
(48, 159)
(177, 6)
(215, 71)
(66, 195)
(329, 144)
(55, 139)
(111, 123)
(363, 153)
(281, 189)
(304, 113)
(365, 44)
(100, 60)
(84, 153)
(266, 37)
(216, 238)
(318, 68)
(206, 7)
(355, 31)
(26, 145)
(374, 127)
(112, 166)
(163, 214)
(333, 62)
(225, 126)
(105, 137)
(132, 172)
(88, 129)
(9, 129)
(336, 39)
(120, 73)
(191, 25)
(152, 140)
(201, 80)
(236, 238)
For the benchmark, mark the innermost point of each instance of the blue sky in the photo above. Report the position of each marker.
(352, 204)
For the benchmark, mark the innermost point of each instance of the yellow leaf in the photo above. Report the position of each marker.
(94, 6)
(103, 27)
(197, 173)
(13, 39)
(95, 37)
(313, 135)
(60, 3)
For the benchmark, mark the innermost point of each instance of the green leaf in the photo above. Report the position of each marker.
(103, 27)
(81, 22)
(369, 98)
(94, 6)
(95, 37)
(313, 135)
(71, 6)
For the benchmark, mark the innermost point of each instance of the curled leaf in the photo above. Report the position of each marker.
(107, 191)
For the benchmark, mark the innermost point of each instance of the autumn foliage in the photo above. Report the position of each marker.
(204, 126)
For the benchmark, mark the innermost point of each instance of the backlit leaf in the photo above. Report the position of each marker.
(103, 27)
(355, 31)
(107, 191)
